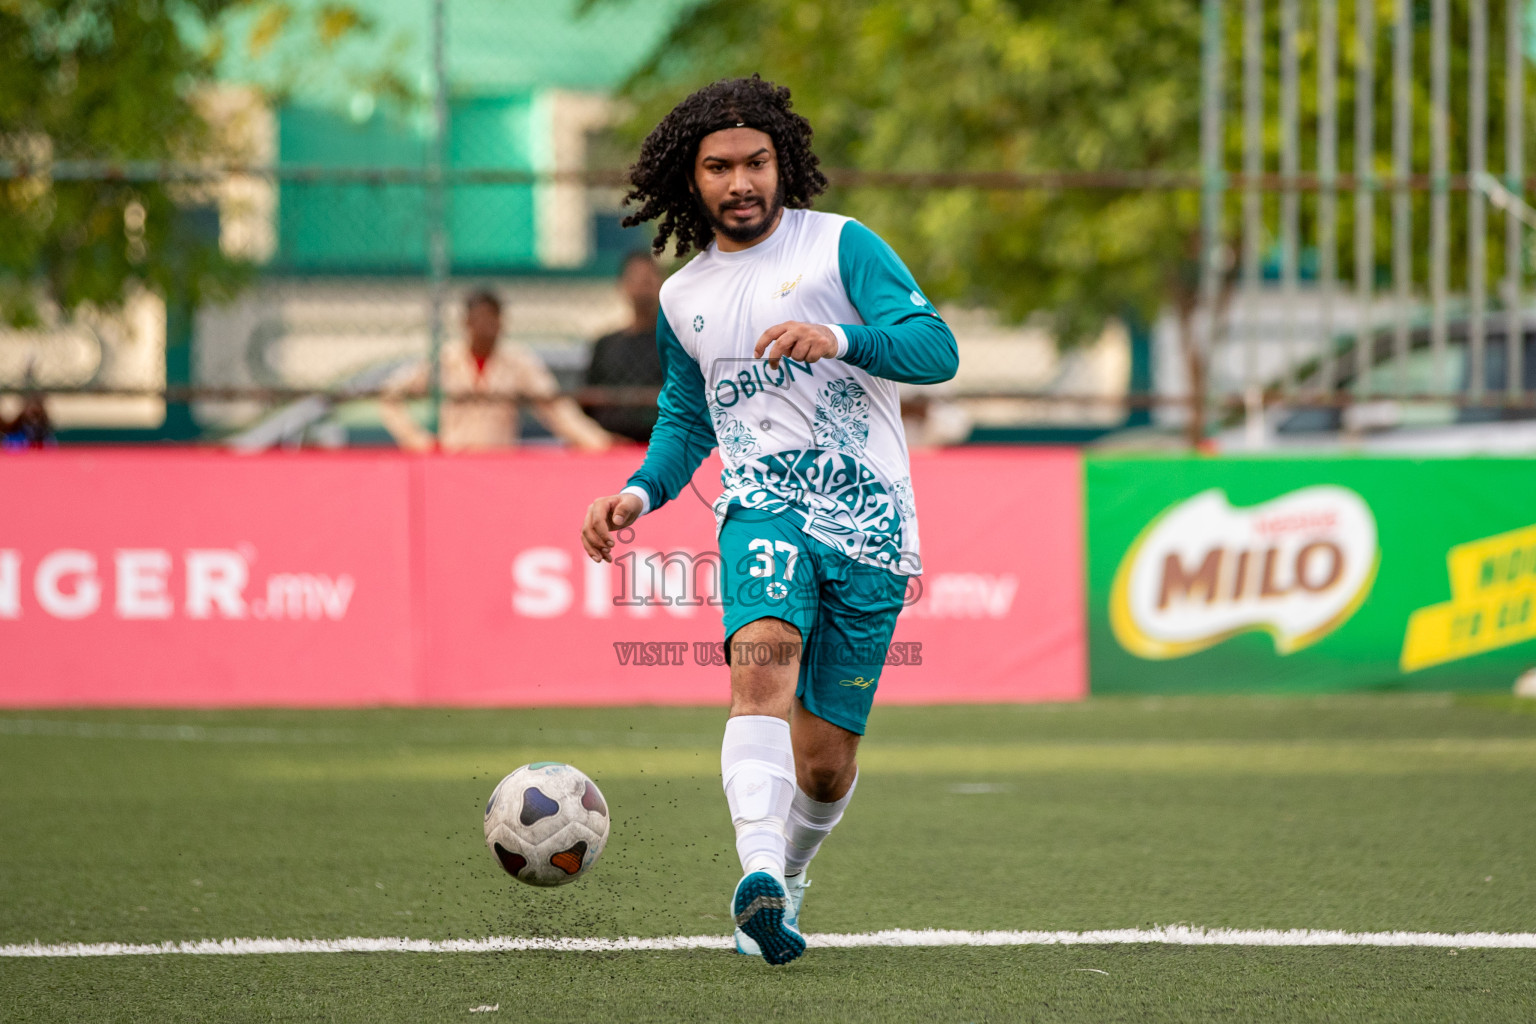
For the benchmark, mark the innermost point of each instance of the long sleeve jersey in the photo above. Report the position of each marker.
(821, 442)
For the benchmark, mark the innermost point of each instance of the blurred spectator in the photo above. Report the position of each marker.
(482, 379)
(31, 428)
(628, 357)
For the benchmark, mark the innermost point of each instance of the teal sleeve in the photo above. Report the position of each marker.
(683, 436)
(902, 337)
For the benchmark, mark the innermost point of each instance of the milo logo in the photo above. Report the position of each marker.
(1296, 567)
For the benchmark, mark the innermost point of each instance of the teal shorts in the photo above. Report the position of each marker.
(845, 610)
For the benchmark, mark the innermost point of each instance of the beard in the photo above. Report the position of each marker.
(750, 232)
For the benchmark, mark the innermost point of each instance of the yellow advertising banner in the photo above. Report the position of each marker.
(1493, 597)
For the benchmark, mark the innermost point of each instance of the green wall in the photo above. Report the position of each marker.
(348, 227)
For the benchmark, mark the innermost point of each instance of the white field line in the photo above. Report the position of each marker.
(242, 734)
(1177, 935)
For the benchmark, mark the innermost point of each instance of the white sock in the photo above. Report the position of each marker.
(810, 822)
(757, 763)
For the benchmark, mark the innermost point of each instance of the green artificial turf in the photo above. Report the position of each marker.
(1140, 984)
(1362, 813)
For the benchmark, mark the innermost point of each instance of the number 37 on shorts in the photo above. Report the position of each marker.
(765, 566)
(773, 569)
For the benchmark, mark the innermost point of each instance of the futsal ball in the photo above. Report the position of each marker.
(546, 823)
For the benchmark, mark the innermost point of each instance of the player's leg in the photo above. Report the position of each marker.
(757, 763)
(842, 666)
(770, 600)
(826, 772)
(757, 760)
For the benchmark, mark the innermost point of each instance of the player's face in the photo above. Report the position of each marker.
(736, 176)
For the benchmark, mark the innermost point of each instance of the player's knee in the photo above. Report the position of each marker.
(825, 779)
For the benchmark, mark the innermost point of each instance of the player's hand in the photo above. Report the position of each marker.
(804, 343)
(603, 516)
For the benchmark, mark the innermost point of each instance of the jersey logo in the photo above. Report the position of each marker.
(787, 287)
(698, 322)
(917, 298)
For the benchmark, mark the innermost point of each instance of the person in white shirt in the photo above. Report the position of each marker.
(483, 379)
(782, 343)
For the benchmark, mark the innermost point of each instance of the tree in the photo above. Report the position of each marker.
(104, 80)
(1050, 85)
(984, 86)
(97, 81)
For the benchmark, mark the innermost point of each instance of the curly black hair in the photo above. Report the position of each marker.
(661, 180)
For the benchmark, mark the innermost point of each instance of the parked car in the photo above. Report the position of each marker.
(1393, 406)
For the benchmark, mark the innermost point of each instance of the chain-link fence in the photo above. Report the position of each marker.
(303, 240)
(302, 251)
(340, 299)
(1366, 243)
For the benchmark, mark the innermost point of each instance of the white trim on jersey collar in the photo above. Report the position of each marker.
(774, 239)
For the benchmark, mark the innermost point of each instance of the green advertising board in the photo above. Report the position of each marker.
(1227, 575)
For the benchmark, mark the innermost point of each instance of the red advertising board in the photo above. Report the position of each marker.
(202, 578)
(145, 577)
(516, 611)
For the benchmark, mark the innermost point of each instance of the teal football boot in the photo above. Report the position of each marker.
(765, 919)
(794, 886)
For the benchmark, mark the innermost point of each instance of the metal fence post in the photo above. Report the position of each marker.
(1212, 184)
(1290, 199)
(1402, 167)
(1439, 169)
(1365, 195)
(1253, 166)
(1514, 173)
(1477, 208)
(1327, 170)
(437, 212)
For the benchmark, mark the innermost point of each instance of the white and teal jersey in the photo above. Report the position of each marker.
(822, 441)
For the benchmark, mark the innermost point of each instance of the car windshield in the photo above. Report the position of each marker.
(1419, 374)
